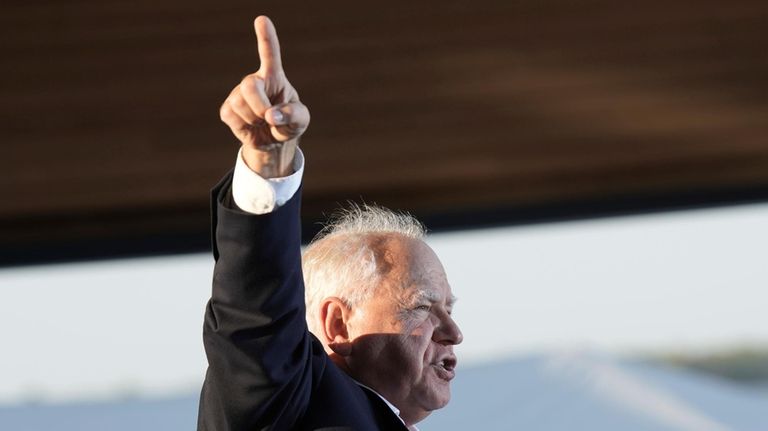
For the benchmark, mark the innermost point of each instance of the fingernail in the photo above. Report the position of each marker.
(277, 117)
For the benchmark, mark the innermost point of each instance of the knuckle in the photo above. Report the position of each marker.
(238, 102)
(225, 112)
(250, 84)
(247, 81)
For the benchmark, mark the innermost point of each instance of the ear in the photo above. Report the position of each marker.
(335, 314)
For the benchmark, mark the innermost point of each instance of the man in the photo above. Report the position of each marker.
(378, 304)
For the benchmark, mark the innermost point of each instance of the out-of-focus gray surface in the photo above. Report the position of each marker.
(586, 391)
(576, 391)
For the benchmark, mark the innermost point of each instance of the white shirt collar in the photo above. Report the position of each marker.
(391, 406)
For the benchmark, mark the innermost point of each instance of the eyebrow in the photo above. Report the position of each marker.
(425, 295)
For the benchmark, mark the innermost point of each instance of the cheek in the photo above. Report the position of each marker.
(420, 341)
(419, 324)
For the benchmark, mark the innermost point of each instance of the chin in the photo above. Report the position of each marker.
(438, 400)
(444, 401)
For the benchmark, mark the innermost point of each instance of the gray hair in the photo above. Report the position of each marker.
(345, 261)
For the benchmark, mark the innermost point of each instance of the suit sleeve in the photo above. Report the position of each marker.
(255, 334)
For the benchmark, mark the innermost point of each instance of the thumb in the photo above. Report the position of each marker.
(287, 120)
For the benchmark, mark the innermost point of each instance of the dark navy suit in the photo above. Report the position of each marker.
(265, 369)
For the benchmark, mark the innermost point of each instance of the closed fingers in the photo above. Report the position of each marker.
(253, 90)
(246, 133)
(249, 100)
(237, 104)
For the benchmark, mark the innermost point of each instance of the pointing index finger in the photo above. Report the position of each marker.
(269, 46)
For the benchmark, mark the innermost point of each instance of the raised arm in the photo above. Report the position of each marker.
(264, 111)
(255, 334)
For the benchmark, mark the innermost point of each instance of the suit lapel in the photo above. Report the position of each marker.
(384, 414)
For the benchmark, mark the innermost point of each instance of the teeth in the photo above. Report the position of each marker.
(441, 363)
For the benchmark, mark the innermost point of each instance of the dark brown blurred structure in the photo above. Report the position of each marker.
(486, 111)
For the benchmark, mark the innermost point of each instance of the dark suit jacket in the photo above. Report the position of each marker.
(265, 369)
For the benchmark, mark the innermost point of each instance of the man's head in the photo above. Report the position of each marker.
(379, 300)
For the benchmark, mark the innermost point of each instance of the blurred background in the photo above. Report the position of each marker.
(595, 175)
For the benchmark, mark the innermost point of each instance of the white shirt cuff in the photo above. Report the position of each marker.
(257, 195)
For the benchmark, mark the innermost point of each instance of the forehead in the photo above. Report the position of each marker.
(418, 273)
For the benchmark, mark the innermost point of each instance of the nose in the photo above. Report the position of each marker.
(448, 333)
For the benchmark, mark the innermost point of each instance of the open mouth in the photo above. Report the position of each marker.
(446, 368)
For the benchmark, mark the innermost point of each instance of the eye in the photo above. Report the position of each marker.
(423, 307)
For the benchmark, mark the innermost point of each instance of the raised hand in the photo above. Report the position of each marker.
(264, 111)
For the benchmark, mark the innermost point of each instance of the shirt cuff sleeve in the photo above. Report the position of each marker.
(257, 195)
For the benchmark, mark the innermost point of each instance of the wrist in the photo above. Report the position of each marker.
(271, 161)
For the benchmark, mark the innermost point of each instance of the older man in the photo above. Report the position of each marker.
(378, 304)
